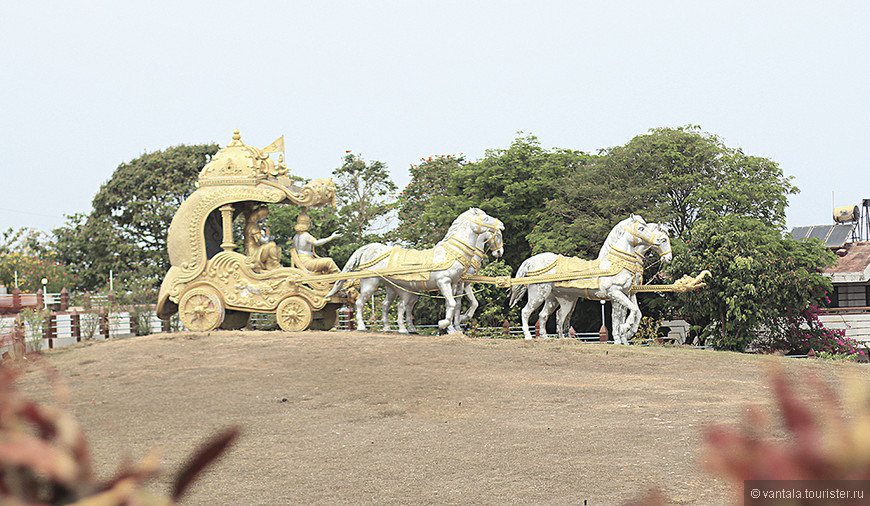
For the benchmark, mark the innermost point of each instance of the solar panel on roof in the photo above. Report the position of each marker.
(821, 232)
(798, 233)
(839, 235)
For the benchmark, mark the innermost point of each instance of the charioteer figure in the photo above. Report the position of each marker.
(303, 248)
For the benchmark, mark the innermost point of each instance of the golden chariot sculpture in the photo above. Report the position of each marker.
(210, 284)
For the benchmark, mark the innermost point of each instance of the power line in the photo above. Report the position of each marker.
(30, 213)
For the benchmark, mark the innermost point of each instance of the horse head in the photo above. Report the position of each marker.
(479, 224)
(491, 230)
(495, 242)
(653, 235)
(662, 241)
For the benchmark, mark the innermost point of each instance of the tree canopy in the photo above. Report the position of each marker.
(126, 230)
(510, 184)
(419, 225)
(758, 278)
(365, 193)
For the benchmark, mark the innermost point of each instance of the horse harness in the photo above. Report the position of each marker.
(414, 267)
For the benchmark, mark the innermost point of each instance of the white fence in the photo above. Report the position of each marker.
(63, 329)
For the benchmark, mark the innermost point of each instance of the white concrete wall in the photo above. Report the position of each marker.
(679, 329)
(857, 325)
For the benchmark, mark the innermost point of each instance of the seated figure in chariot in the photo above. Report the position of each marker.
(303, 248)
(262, 252)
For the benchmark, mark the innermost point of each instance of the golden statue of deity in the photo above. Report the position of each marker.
(263, 253)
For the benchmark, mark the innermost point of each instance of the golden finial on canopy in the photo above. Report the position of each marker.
(236, 135)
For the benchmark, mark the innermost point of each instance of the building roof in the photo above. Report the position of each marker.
(854, 266)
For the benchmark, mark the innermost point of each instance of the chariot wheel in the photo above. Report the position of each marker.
(294, 314)
(235, 320)
(200, 309)
(326, 318)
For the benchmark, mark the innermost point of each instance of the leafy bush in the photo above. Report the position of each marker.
(494, 302)
(31, 270)
(758, 278)
(648, 330)
(34, 319)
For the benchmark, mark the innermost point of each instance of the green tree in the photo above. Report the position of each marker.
(365, 192)
(584, 204)
(669, 175)
(419, 226)
(757, 278)
(673, 164)
(126, 230)
(509, 184)
(676, 176)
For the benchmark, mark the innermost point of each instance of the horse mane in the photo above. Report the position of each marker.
(458, 222)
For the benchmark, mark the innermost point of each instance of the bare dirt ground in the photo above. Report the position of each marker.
(353, 418)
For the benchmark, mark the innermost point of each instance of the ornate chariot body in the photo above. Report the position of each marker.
(212, 285)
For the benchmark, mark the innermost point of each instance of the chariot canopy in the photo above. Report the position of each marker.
(236, 179)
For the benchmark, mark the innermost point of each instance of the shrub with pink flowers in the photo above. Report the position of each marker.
(803, 331)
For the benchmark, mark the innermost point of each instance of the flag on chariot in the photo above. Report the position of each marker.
(275, 147)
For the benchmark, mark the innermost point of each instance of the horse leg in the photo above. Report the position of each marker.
(563, 315)
(537, 293)
(367, 287)
(544, 316)
(402, 310)
(617, 314)
(389, 298)
(469, 292)
(410, 301)
(636, 322)
(445, 285)
(623, 331)
(458, 293)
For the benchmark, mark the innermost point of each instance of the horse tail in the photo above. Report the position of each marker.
(351, 265)
(517, 291)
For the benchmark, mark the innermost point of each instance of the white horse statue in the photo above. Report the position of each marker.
(407, 300)
(619, 266)
(439, 268)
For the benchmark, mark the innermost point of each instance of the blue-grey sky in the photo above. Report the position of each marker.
(85, 86)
